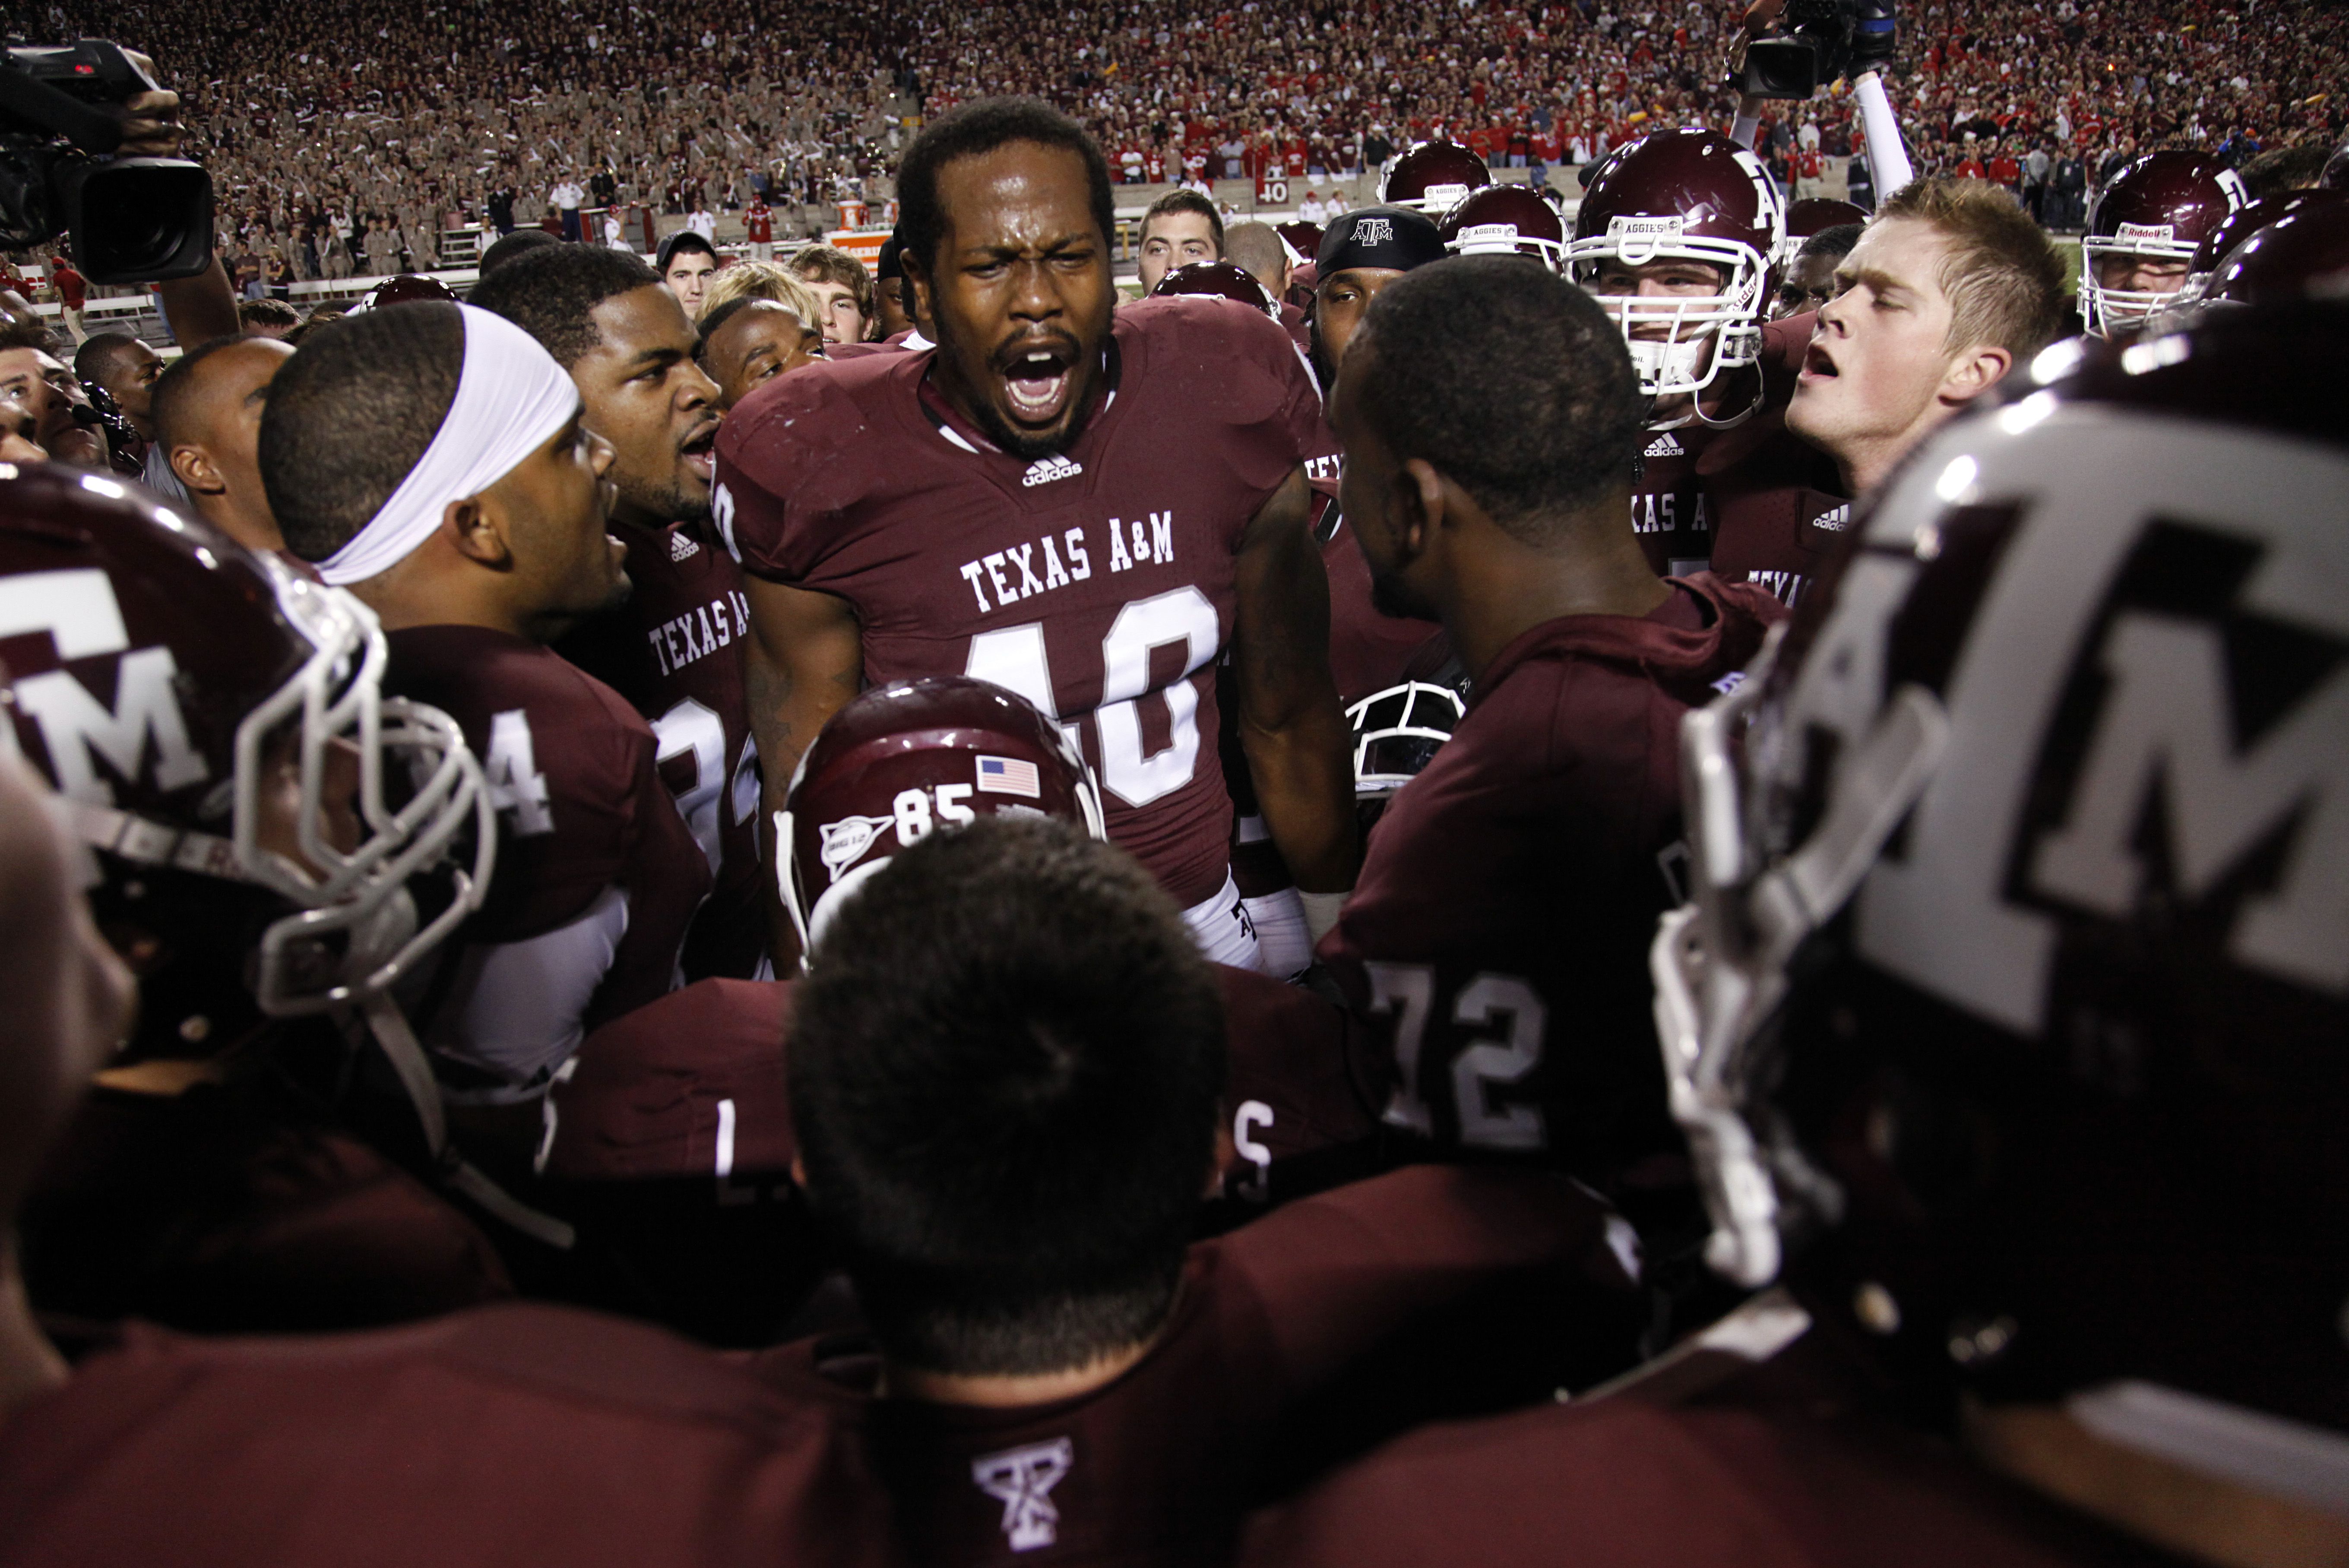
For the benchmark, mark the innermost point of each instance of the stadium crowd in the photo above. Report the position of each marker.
(344, 135)
(1658, 880)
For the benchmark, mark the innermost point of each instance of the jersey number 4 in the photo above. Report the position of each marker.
(1013, 657)
(1408, 991)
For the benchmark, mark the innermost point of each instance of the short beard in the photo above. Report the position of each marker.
(664, 503)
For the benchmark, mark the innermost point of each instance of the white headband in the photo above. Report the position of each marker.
(511, 400)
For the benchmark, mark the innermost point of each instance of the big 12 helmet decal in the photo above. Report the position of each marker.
(2013, 999)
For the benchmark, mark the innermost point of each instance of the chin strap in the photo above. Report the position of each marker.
(400, 1047)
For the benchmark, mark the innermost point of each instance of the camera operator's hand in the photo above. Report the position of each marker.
(150, 120)
(1759, 18)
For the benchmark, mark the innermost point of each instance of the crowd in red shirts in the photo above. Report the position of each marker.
(342, 111)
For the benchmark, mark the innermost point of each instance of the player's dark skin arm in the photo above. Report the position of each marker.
(1290, 725)
(806, 659)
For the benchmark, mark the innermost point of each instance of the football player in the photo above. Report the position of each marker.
(1434, 177)
(748, 342)
(1946, 290)
(1180, 228)
(1362, 253)
(2004, 1025)
(1809, 281)
(1678, 236)
(675, 649)
(549, 1434)
(272, 845)
(1490, 414)
(1091, 511)
(1503, 220)
(207, 407)
(1005, 1067)
(474, 522)
(669, 1132)
(2143, 231)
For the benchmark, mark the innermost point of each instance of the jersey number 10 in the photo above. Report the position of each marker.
(1013, 657)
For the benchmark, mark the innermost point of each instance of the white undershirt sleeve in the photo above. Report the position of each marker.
(1888, 156)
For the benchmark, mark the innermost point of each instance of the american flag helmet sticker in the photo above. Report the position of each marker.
(1010, 775)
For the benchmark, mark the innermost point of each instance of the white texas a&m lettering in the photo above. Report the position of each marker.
(78, 610)
(1023, 1480)
(700, 632)
(1023, 571)
(1654, 513)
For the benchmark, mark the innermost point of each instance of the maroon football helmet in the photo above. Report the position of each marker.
(1812, 215)
(1303, 238)
(904, 760)
(2301, 252)
(2244, 222)
(1218, 280)
(1433, 176)
(2007, 1020)
(1506, 221)
(1688, 195)
(2162, 206)
(269, 830)
(2336, 170)
(405, 289)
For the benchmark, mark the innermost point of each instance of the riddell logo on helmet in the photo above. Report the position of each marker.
(2147, 234)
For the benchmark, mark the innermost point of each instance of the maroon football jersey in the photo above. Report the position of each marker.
(227, 1209)
(668, 1144)
(1780, 1465)
(1276, 1325)
(583, 820)
(1676, 510)
(1671, 514)
(504, 1435)
(1304, 1087)
(1098, 582)
(693, 1087)
(676, 651)
(1779, 504)
(1508, 896)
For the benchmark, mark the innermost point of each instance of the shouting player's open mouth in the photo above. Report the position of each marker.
(1039, 376)
(1818, 365)
(699, 450)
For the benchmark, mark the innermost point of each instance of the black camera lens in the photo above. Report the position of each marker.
(139, 218)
